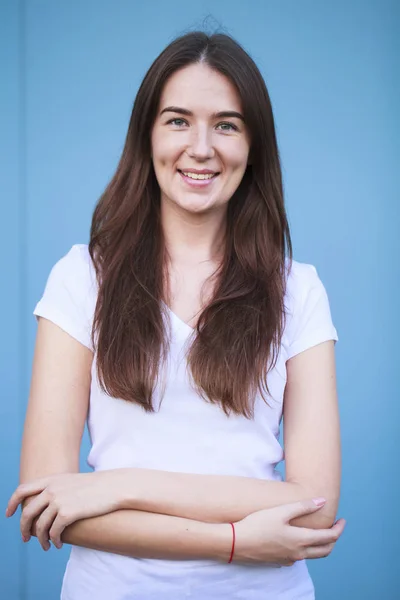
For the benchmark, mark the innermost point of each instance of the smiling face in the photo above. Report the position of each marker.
(200, 143)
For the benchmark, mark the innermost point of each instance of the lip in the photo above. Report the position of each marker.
(198, 171)
(198, 183)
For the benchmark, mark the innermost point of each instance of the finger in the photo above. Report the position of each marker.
(29, 513)
(319, 551)
(24, 491)
(57, 528)
(303, 507)
(43, 525)
(320, 537)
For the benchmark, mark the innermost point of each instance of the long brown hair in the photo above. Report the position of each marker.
(239, 332)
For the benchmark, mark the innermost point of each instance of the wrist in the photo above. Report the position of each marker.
(242, 552)
(220, 540)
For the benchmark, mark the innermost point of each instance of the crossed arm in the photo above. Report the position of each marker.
(170, 515)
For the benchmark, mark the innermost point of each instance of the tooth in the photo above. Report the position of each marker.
(198, 175)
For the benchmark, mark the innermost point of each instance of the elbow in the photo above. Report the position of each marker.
(323, 518)
(318, 520)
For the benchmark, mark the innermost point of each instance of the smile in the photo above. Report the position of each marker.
(197, 179)
(198, 175)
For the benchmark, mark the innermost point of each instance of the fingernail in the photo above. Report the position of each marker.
(24, 539)
(319, 501)
(6, 512)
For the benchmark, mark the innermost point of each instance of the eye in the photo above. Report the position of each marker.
(178, 122)
(227, 126)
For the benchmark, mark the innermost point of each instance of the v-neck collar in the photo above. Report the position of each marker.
(179, 320)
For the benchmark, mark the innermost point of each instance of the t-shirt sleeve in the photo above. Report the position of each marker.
(65, 300)
(312, 321)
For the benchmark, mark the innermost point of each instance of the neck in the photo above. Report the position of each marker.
(193, 238)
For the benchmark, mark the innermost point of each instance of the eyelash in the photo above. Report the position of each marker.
(234, 128)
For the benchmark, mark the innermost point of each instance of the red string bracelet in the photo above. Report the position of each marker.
(233, 542)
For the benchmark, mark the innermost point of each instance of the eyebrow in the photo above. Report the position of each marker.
(219, 115)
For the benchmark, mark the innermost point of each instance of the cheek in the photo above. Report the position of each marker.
(165, 149)
(237, 156)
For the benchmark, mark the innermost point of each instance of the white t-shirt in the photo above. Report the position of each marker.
(185, 434)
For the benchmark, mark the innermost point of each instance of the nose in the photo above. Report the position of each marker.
(201, 145)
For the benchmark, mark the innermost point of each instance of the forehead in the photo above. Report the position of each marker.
(200, 88)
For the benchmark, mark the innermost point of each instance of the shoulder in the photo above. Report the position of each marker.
(78, 256)
(76, 267)
(301, 278)
(70, 293)
(307, 308)
(73, 278)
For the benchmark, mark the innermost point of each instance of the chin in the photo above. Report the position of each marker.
(197, 208)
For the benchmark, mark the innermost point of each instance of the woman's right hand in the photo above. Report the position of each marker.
(267, 537)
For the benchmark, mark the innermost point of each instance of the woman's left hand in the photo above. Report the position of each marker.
(63, 499)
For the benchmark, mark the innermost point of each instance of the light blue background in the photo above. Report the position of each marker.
(69, 74)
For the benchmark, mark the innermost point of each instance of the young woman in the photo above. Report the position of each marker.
(184, 332)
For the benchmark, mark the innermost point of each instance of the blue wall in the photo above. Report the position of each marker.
(69, 73)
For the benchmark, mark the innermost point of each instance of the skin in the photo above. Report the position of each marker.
(152, 513)
(199, 140)
(193, 218)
